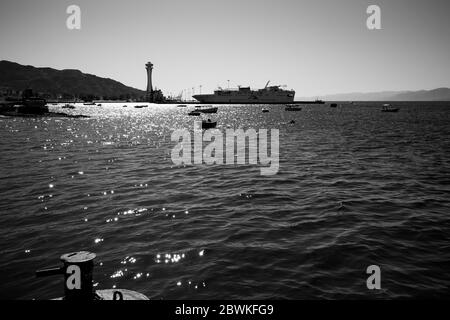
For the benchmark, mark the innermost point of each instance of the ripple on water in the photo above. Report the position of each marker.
(355, 187)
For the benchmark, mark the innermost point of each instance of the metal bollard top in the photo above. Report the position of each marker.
(78, 257)
(78, 285)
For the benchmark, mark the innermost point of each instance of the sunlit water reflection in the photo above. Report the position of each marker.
(355, 187)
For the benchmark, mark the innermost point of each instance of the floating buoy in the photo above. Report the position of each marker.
(77, 269)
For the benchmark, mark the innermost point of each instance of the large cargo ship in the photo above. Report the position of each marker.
(269, 94)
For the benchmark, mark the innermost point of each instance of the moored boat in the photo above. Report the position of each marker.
(193, 113)
(206, 109)
(294, 107)
(388, 108)
(208, 124)
(31, 106)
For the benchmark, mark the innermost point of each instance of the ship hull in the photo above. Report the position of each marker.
(245, 99)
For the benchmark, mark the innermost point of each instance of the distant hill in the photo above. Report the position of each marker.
(440, 94)
(68, 82)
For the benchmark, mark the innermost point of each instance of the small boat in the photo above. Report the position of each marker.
(68, 106)
(292, 121)
(124, 106)
(181, 106)
(294, 107)
(333, 105)
(388, 108)
(99, 105)
(193, 113)
(89, 103)
(142, 106)
(28, 106)
(265, 110)
(208, 124)
(206, 109)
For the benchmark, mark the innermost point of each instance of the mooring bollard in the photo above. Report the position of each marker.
(78, 268)
(78, 280)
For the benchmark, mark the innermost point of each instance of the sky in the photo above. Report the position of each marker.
(315, 47)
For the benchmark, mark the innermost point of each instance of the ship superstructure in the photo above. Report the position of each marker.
(269, 94)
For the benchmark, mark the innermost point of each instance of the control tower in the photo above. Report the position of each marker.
(149, 67)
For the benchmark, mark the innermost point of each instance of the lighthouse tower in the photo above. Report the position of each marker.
(149, 67)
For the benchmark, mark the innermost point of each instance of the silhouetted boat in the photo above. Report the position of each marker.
(208, 124)
(388, 108)
(206, 109)
(294, 107)
(142, 106)
(193, 113)
(333, 105)
(30, 106)
(181, 106)
(265, 110)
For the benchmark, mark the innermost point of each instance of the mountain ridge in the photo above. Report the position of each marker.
(68, 82)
